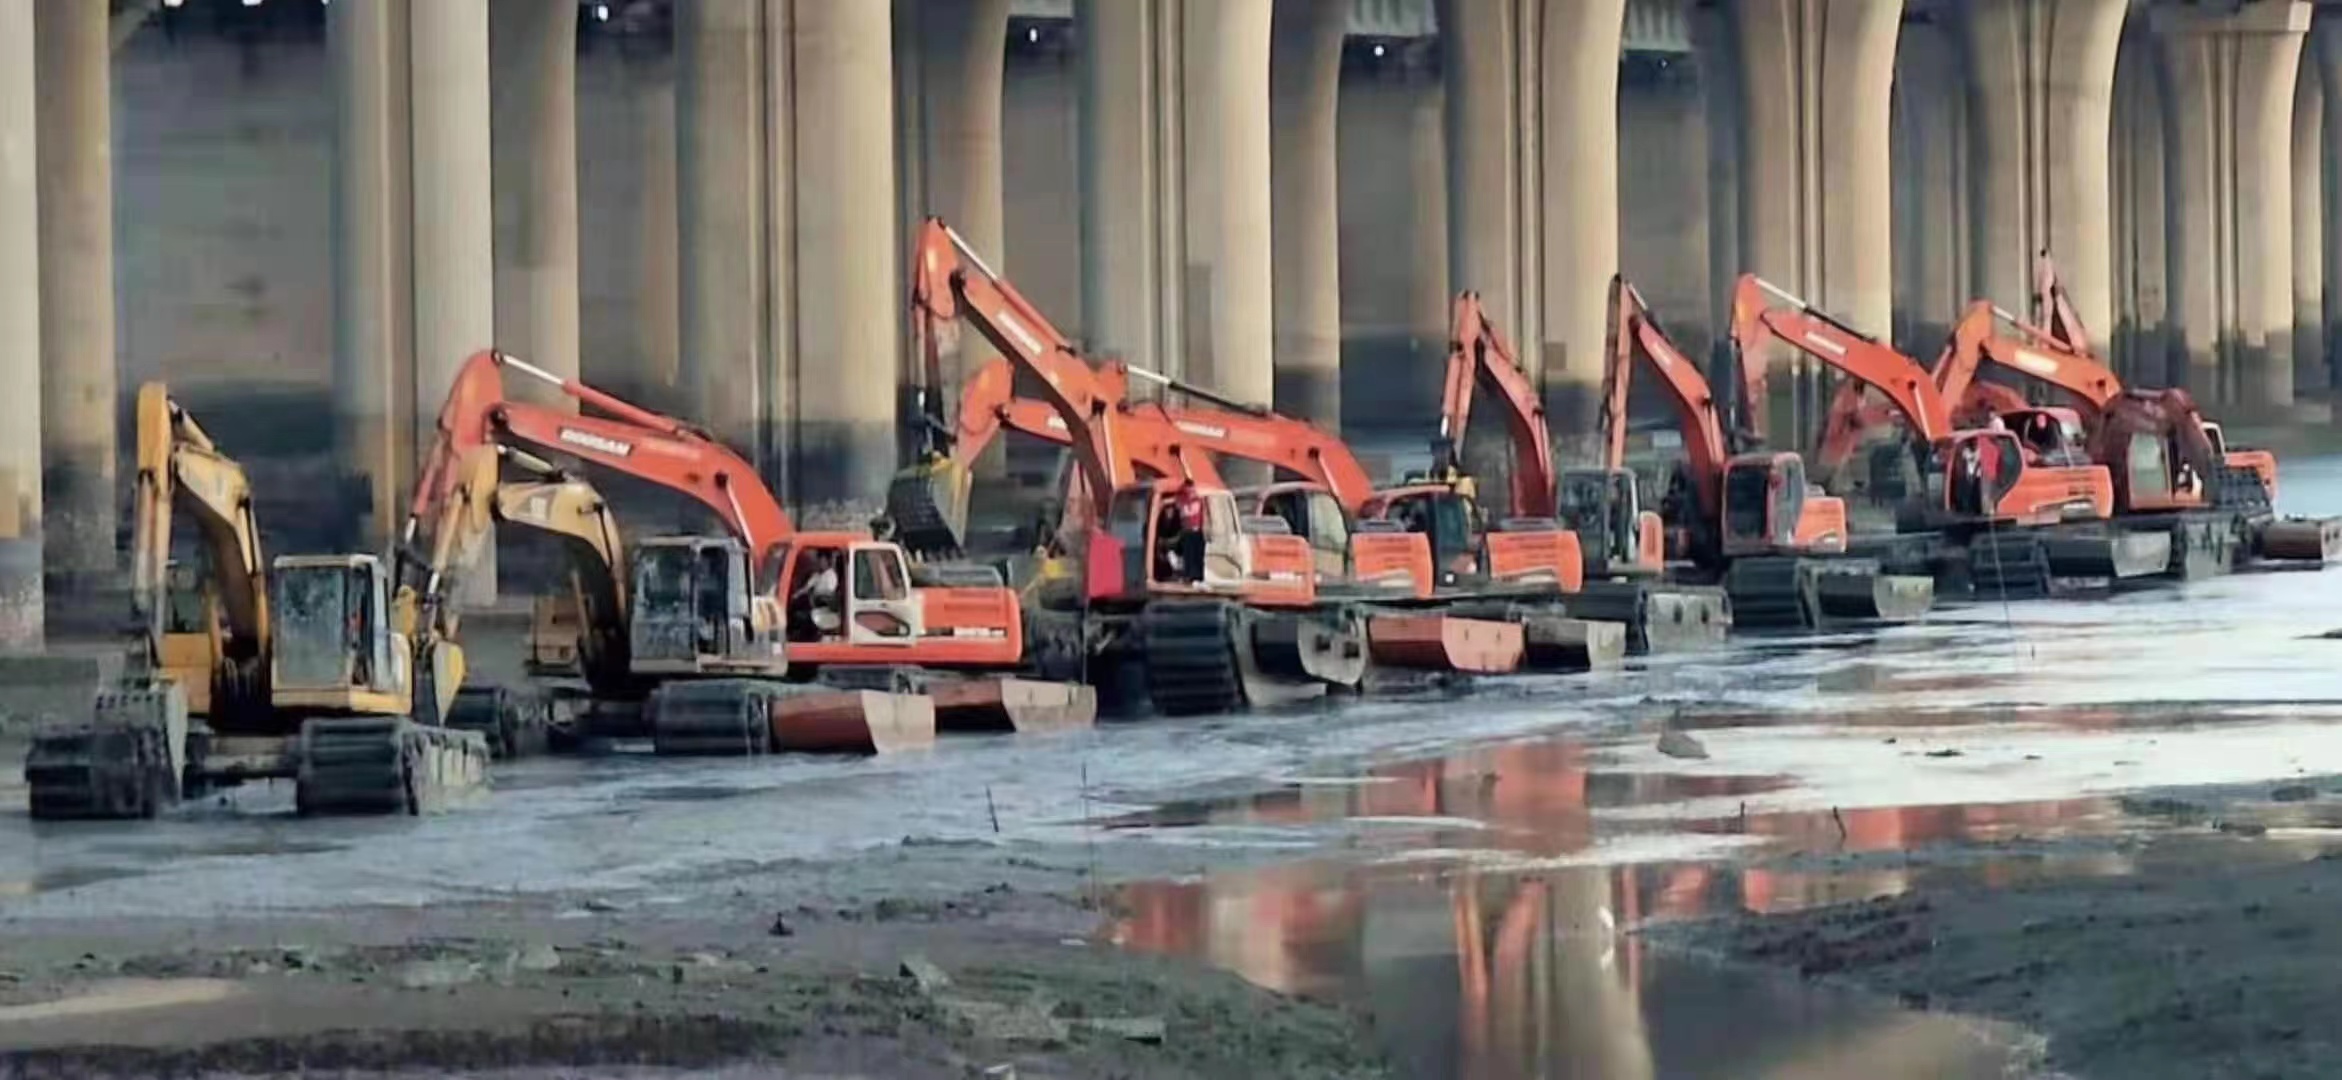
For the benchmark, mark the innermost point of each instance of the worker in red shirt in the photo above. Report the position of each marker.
(1191, 530)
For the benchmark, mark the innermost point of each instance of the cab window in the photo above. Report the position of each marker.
(878, 575)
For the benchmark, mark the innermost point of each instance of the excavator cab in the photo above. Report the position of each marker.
(2050, 436)
(1606, 506)
(336, 649)
(696, 612)
(1312, 513)
(1770, 507)
(1372, 554)
(1446, 514)
(869, 600)
(1984, 476)
(1142, 550)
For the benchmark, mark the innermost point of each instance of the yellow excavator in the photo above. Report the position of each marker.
(579, 653)
(308, 668)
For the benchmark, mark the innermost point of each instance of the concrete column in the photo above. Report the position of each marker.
(1817, 77)
(1663, 174)
(2230, 185)
(1717, 50)
(373, 387)
(1228, 199)
(1932, 159)
(535, 42)
(657, 333)
(1306, 76)
(1486, 49)
(20, 335)
(455, 211)
(2309, 234)
(2142, 342)
(2326, 37)
(844, 411)
(961, 46)
(1394, 286)
(77, 298)
(1579, 146)
(2041, 88)
(1129, 207)
(720, 205)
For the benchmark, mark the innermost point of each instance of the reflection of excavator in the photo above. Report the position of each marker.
(1177, 584)
(715, 623)
(2022, 519)
(1777, 541)
(304, 669)
(2168, 464)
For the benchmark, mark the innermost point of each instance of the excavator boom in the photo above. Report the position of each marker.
(1635, 334)
(1757, 321)
(1478, 358)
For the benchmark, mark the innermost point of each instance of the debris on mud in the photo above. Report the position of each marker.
(1676, 743)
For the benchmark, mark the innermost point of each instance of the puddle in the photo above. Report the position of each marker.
(1485, 905)
(57, 880)
(1504, 975)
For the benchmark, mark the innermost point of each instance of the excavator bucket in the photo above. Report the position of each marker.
(2316, 540)
(928, 504)
(2114, 556)
(125, 761)
(747, 717)
(853, 722)
(1024, 706)
(1445, 643)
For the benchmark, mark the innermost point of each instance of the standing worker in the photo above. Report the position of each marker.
(1191, 531)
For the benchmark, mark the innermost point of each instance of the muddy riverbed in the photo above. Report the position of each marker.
(2078, 837)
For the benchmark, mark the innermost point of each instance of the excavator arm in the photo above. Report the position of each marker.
(1635, 334)
(569, 510)
(1757, 321)
(626, 438)
(951, 285)
(179, 468)
(1478, 358)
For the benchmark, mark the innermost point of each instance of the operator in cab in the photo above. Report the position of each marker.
(1190, 503)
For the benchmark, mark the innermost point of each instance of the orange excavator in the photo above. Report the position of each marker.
(1410, 623)
(1619, 546)
(1207, 608)
(2170, 467)
(2018, 519)
(718, 627)
(1745, 515)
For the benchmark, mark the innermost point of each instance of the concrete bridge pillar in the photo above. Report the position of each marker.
(721, 212)
(535, 119)
(454, 212)
(657, 331)
(373, 362)
(1579, 192)
(20, 335)
(1228, 181)
(1305, 71)
(2309, 232)
(1489, 58)
(76, 169)
(1133, 237)
(841, 394)
(2326, 53)
(2041, 89)
(1816, 198)
(1932, 158)
(2230, 192)
(1663, 218)
(960, 54)
(2142, 345)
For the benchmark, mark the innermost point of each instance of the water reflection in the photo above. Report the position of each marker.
(1502, 975)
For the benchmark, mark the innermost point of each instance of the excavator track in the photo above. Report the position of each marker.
(386, 765)
(713, 717)
(1190, 648)
(125, 762)
(1771, 593)
(2008, 564)
(513, 721)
